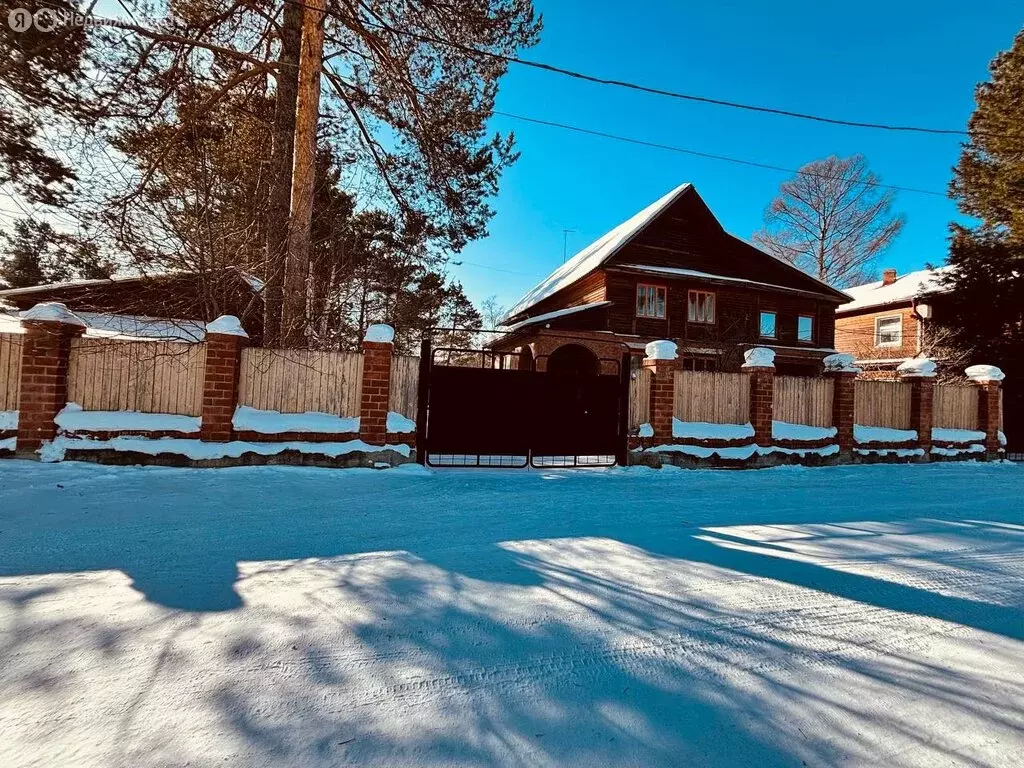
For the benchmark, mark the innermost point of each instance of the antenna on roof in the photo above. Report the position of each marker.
(565, 242)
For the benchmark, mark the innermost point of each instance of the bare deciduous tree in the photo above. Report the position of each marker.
(832, 220)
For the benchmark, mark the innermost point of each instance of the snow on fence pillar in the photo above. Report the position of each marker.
(989, 380)
(759, 364)
(43, 387)
(843, 372)
(920, 373)
(378, 346)
(225, 339)
(662, 361)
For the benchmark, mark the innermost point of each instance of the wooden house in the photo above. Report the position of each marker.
(672, 272)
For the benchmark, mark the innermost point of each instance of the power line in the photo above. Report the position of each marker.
(707, 155)
(625, 84)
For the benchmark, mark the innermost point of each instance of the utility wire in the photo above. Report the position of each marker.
(470, 50)
(706, 155)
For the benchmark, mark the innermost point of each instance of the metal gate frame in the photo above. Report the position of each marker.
(427, 363)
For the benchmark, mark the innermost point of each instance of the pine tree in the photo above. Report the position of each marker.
(35, 254)
(989, 179)
(983, 311)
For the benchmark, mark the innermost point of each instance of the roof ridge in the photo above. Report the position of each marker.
(596, 253)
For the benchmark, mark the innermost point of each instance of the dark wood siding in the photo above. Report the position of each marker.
(736, 313)
(586, 291)
(688, 235)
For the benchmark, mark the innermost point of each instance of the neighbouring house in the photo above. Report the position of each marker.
(672, 272)
(889, 320)
(172, 306)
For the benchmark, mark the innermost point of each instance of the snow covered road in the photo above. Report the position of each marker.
(290, 616)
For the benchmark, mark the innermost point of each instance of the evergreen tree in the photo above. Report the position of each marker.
(35, 254)
(989, 179)
(40, 76)
(983, 313)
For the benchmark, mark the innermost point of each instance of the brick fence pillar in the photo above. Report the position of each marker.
(843, 373)
(760, 366)
(989, 380)
(662, 361)
(843, 404)
(43, 387)
(378, 346)
(920, 374)
(225, 340)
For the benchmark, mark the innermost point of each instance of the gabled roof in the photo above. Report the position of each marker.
(595, 254)
(604, 248)
(904, 289)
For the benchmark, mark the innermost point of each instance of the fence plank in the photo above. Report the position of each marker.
(298, 380)
(405, 376)
(712, 396)
(955, 406)
(147, 376)
(882, 404)
(804, 400)
(639, 398)
(10, 370)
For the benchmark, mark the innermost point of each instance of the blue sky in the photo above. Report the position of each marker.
(891, 62)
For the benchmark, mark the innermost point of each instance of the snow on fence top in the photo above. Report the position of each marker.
(918, 366)
(380, 333)
(759, 357)
(54, 312)
(661, 350)
(841, 362)
(984, 373)
(229, 325)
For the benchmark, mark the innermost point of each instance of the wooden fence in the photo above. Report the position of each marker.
(10, 370)
(299, 380)
(803, 400)
(719, 398)
(882, 404)
(405, 376)
(955, 407)
(640, 398)
(148, 376)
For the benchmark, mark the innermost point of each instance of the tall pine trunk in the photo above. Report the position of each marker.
(281, 159)
(307, 113)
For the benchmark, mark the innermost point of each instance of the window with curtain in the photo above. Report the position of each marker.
(650, 301)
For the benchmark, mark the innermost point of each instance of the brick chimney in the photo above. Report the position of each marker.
(888, 276)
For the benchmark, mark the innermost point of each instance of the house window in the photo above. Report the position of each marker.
(768, 325)
(888, 331)
(701, 307)
(650, 301)
(805, 328)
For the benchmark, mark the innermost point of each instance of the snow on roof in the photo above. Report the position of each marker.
(254, 282)
(123, 327)
(595, 254)
(682, 272)
(557, 313)
(905, 288)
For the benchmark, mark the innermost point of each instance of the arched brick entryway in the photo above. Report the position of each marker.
(573, 359)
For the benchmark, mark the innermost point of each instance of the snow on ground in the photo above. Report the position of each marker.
(293, 616)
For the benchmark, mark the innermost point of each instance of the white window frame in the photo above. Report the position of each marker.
(775, 324)
(692, 299)
(810, 335)
(899, 331)
(652, 314)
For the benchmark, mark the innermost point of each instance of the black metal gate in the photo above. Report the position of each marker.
(473, 411)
